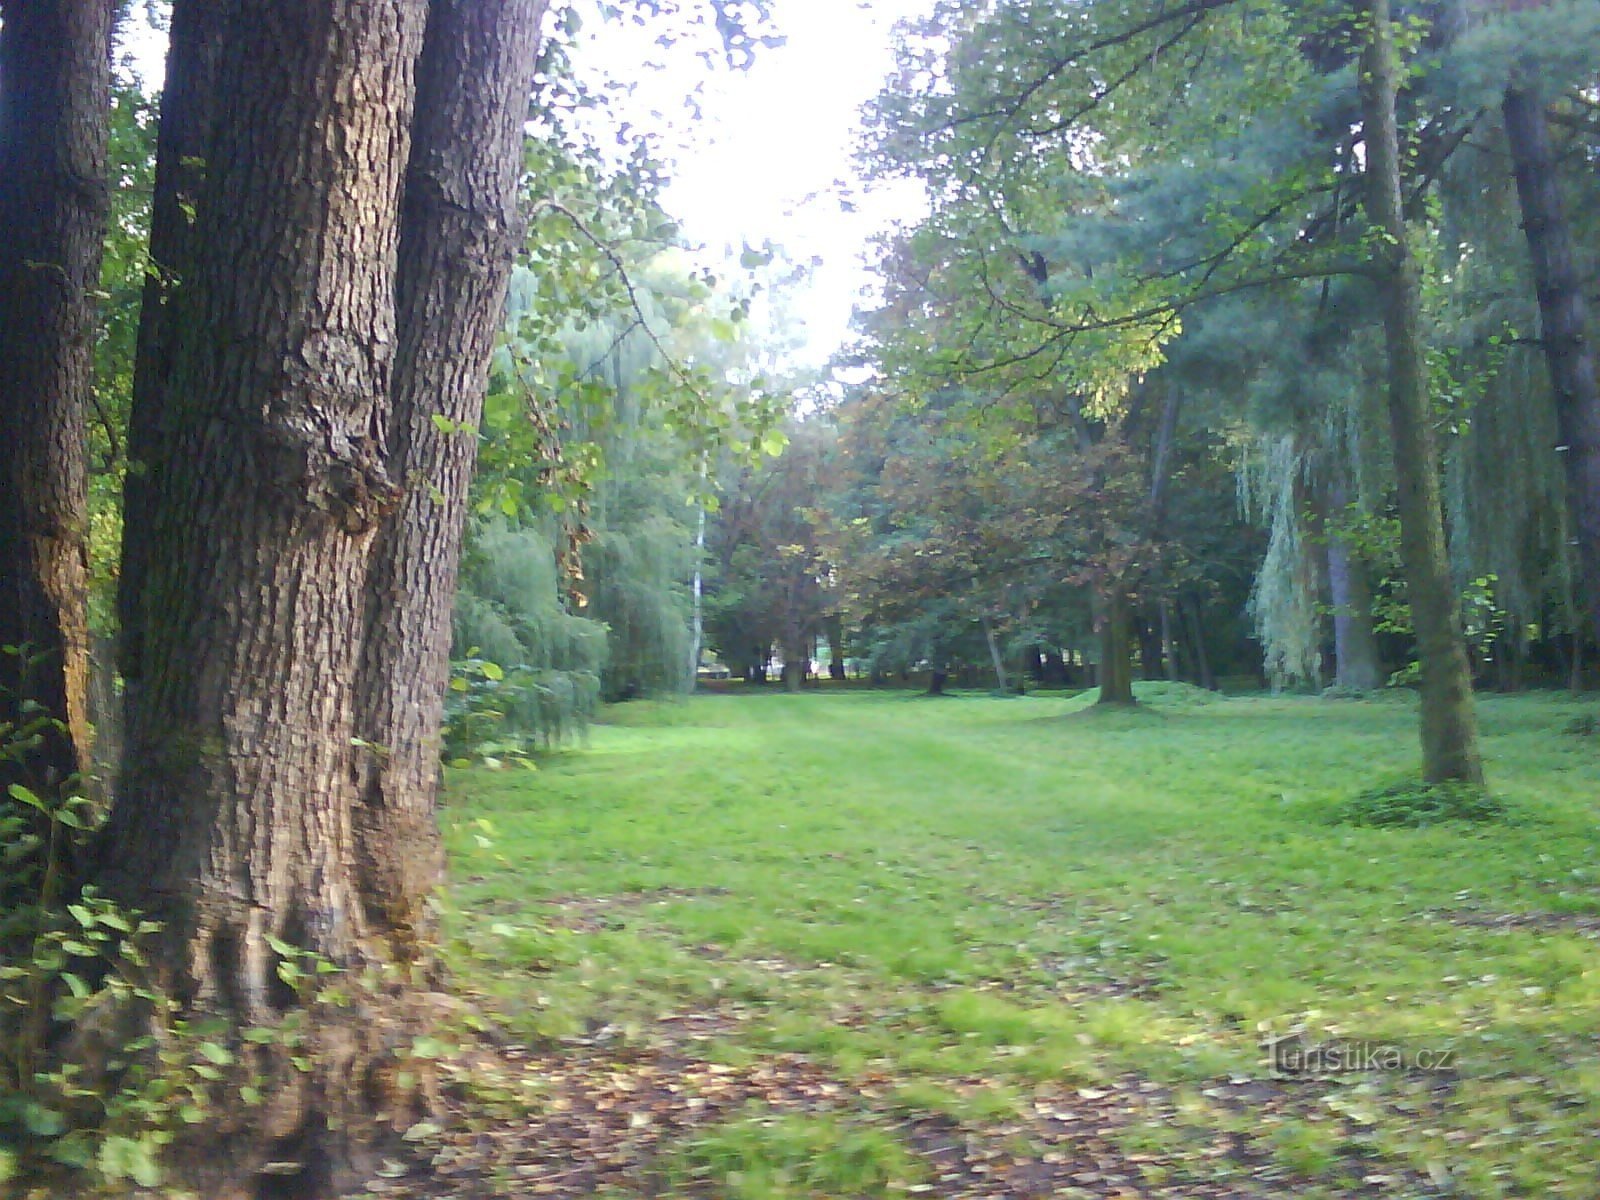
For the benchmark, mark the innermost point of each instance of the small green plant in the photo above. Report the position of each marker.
(1412, 804)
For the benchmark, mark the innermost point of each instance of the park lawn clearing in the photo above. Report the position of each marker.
(867, 944)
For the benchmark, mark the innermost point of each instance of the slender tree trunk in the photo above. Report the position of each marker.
(1449, 722)
(1564, 319)
(995, 657)
(233, 822)
(1357, 666)
(1116, 650)
(55, 81)
(1169, 644)
(697, 627)
(459, 230)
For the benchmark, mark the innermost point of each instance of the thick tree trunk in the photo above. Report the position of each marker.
(55, 80)
(1355, 645)
(1116, 651)
(1357, 666)
(459, 231)
(233, 822)
(1449, 722)
(1564, 319)
(936, 682)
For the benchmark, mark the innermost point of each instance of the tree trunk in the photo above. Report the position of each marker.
(233, 822)
(697, 622)
(1194, 619)
(1169, 644)
(182, 142)
(1116, 651)
(836, 670)
(1357, 666)
(1449, 722)
(55, 81)
(459, 230)
(1564, 319)
(936, 682)
(995, 658)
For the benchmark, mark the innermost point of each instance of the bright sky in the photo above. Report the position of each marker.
(770, 160)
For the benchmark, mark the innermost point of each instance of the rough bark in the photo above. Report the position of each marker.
(1449, 722)
(1564, 319)
(1116, 651)
(266, 486)
(459, 232)
(55, 81)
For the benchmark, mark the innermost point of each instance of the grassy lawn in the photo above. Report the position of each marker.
(861, 944)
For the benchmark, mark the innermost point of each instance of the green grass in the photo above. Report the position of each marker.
(1022, 892)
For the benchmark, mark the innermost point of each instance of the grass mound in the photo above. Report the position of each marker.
(1412, 804)
(1175, 695)
(760, 1155)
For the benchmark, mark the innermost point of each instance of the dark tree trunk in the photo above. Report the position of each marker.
(182, 143)
(233, 822)
(55, 80)
(1357, 667)
(1564, 319)
(836, 648)
(1054, 673)
(1116, 651)
(937, 681)
(1194, 620)
(459, 230)
(1449, 722)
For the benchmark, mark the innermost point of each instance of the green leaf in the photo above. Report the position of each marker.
(25, 796)
(493, 671)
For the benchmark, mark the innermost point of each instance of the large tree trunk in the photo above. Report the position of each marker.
(55, 81)
(1449, 722)
(1116, 650)
(1565, 323)
(458, 236)
(1357, 666)
(233, 822)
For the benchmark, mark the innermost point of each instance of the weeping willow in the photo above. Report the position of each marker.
(1284, 601)
(1505, 490)
(539, 645)
(543, 683)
